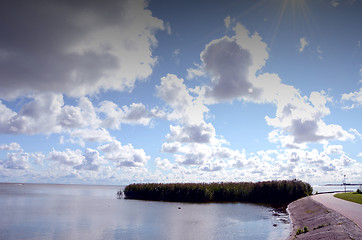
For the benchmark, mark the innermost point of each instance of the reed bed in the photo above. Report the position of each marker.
(275, 192)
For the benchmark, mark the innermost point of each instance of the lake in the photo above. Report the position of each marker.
(52, 211)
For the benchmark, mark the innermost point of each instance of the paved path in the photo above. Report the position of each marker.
(351, 210)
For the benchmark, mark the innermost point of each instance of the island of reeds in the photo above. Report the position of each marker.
(274, 192)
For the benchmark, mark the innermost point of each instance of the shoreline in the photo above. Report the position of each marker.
(322, 222)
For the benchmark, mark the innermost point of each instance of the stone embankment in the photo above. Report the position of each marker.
(312, 220)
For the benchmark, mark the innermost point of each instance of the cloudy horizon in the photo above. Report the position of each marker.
(159, 91)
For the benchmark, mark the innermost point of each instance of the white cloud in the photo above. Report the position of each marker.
(213, 166)
(163, 164)
(67, 157)
(136, 113)
(202, 133)
(187, 109)
(176, 55)
(37, 116)
(92, 160)
(11, 147)
(354, 97)
(90, 135)
(355, 132)
(232, 64)
(84, 48)
(334, 3)
(333, 149)
(195, 72)
(16, 160)
(197, 148)
(303, 44)
(227, 22)
(38, 158)
(172, 147)
(300, 117)
(124, 155)
(46, 114)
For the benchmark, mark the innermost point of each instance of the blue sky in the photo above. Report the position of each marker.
(178, 91)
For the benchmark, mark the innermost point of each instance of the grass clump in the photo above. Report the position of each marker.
(276, 192)
(324, 225)
(352, 197)
(300, 231)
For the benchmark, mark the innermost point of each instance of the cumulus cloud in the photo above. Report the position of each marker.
(16, 160)
(202, 133)
(38, 115)
(83, 115)
(136, 113)
(163, 164)
(124, 155)
(186, 108)
(232, 64)
(333, 149)
(91, 161)
(11, 147)
(300, 118)
(38, 158)
(46, 114)
(90, 135)
(195, 72)
(303, 44)
(75, 47)
(354, 97)
(67, 157)
(228, 64)
(197, 147)
(213, 166)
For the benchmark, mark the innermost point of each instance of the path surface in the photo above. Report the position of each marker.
(323, 223)
(351, 210)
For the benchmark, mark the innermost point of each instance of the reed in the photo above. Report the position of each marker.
(275, 192)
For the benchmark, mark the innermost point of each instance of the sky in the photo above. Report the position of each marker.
(119, 92)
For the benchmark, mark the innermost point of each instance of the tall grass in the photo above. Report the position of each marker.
(276, 192)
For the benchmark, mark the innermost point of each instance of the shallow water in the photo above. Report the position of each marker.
(43, 211)
(323, 188)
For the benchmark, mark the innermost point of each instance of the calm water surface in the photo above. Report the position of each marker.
(42, 211)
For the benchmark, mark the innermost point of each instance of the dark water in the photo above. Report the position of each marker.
(39, 211)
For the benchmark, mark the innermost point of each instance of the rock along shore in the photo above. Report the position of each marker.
(322, 223)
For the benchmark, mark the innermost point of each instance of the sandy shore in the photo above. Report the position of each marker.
(322, 222)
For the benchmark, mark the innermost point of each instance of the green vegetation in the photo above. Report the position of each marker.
(322, 225)
(300, 231)
(275, 192)
(352, 197)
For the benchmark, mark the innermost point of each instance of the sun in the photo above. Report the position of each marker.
(300, 14)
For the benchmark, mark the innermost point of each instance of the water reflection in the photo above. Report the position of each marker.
(36, 211)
